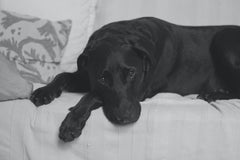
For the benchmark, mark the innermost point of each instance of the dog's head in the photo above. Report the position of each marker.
(117, 65)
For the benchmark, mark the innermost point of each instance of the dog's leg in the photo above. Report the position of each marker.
(72, 82)
(217, 95)
(225, 51)
(76, 119)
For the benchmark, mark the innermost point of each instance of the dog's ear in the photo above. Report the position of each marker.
(145, 50)
(147, 60)
(82, 61)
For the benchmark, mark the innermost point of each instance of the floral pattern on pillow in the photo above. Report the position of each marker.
(35, 45)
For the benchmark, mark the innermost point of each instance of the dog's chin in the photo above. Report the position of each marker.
(121, 119)
(122, 122)
(125, 114)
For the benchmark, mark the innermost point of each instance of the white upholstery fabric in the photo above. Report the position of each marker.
(184, 12)
(170, 127)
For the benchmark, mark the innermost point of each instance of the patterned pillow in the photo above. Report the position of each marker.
(35, 45)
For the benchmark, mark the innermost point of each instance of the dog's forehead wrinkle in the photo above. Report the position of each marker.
(113, 63)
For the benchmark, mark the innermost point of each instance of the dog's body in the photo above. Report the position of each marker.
(128, 61)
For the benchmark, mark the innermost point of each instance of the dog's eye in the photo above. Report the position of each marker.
(102, 80)
(131, 73)
(105, 79)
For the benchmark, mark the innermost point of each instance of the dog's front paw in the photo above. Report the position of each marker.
(71, 127)
(44, 95)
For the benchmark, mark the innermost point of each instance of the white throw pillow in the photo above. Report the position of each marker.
(81, 12)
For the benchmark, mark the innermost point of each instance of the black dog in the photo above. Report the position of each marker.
(128, 61)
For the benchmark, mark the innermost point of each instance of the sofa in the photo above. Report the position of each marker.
(171, 126)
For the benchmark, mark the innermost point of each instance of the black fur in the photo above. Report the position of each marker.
(128, 61)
